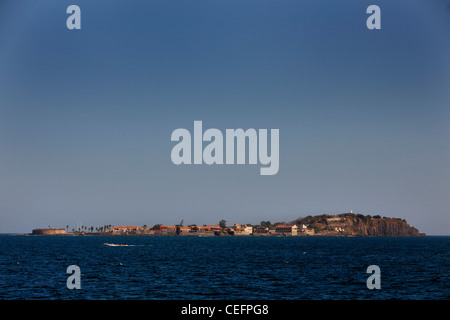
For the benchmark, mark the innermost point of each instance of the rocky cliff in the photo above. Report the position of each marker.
(359, 225)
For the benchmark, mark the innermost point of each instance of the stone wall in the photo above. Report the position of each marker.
(49, 232)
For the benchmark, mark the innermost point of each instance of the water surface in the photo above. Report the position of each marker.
(34, 267)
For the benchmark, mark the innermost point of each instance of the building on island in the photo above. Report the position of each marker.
(286, 229)
(209, 230)
(305, 231)
(169, 230)
(259, 230)
(117, 230)
(184, 230)
(125, 230)
(242, 230)
(133, 229)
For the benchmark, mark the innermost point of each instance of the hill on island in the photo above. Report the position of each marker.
(359, 225)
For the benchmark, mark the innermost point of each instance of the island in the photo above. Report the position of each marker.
(345, 224)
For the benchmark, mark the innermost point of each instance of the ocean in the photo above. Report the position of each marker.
(224, 268)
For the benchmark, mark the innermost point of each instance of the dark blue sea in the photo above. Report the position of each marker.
(198, 268)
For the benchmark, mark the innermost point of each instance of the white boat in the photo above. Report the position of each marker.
(115, 245)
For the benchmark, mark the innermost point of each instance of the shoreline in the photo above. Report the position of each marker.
(212, 235)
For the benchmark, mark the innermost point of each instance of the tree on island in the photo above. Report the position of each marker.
(266, 224)
(223, 224)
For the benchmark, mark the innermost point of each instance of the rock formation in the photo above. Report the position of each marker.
(359, 225)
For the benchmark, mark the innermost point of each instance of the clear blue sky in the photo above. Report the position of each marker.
(86, 115)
